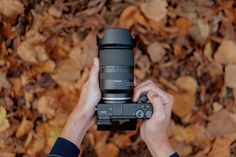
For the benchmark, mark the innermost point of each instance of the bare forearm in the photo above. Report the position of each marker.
(76, 129)
(159, 146)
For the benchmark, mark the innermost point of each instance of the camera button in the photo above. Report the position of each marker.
(139, 114)
(148, 114)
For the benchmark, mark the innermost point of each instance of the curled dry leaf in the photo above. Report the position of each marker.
(225, 118)
(11, 7)
(187, 83)
(226, 53)
(230, 75)
(4, 123)
(24, 128)
(155, 9)
(183, 103)
(221, 148)
(31, 50)
(156, 52)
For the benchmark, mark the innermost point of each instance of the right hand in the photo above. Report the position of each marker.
(154, 130)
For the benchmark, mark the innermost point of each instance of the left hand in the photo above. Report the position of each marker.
(83, 116)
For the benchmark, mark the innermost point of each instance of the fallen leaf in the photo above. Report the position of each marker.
(4, 83)
(131, 16)
(183, 25)
(31, 50)
(226, 52)
(155, 9)
(55, 11)
(182, 148)
(156, 52)
(183, 103)
(204, 29)
(181, 134)
(11, 7)
(221, 148)
(187, 83)
(44, 106)
(24, 128)
(208, 50)
(4, 123)
(230, 77)
(7, 154)
(217, 107)
(46, 66)
(225, 118)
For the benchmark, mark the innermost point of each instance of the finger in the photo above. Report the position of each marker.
(135, 82)
(93, 76)
(158, 105)
(138, 88)
(148, 87)
(144, 84)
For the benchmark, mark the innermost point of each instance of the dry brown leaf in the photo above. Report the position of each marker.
(122, 140)
(183, 103)
(7, 154)
(11, 7)
(4, 123)
(182, 148)
(155, 9)
(4, 83)
(183, 25)
(226, 52)
(55, 11)
(110, 151)
(131, 16)
(24, 128)
(44, 106)
(221, 124)
(203, 28)
(221, 148)
(156, 52)
(187, 83)
(181, 134)
(230, 75)
(46, 66)
(208, 50)
(31, 50)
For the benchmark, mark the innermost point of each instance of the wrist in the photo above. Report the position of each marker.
(159, 146)
(76, 127)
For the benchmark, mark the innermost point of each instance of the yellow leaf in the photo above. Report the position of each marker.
(187, 83)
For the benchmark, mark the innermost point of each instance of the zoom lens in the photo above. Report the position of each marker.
(116, 66)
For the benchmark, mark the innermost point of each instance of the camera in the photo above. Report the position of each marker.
(116, 111)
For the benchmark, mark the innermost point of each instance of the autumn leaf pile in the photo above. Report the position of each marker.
(187, 47)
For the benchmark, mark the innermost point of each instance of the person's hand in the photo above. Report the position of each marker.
(154, 130)
(83, 115)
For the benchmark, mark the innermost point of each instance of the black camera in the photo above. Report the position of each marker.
(116, 111)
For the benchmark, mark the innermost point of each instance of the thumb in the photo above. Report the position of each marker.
(157, 103)
(93, 76)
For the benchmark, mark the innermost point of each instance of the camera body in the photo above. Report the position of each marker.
(116, 111)
(116, 116)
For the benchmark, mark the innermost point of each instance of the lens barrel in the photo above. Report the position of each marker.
(116, 74)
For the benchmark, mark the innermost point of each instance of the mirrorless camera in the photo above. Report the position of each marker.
(116, 111)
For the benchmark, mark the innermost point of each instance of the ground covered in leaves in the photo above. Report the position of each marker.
(187, 47)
